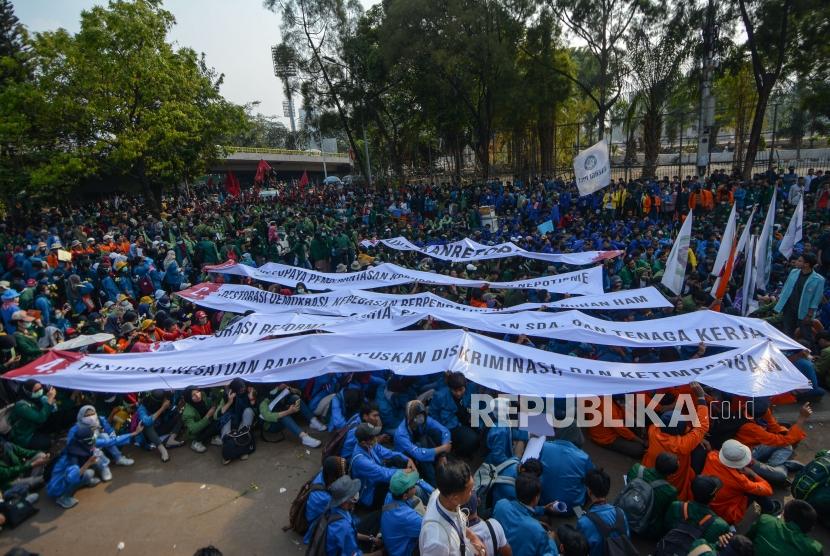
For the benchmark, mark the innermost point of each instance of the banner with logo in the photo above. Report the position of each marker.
(467, 250)
(756, 370)
(709, 327)
(592, 168)
(579, 282)
(238, 298)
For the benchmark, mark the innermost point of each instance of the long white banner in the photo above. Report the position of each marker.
(467, 250)
(708, 327)
(237, 298)
(580, 282)
(757, 370)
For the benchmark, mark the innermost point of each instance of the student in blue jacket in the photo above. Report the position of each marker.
(400, 524)
(318, 499)
(374, 465)
(524, 533)
(451, 406)
(599, 484)
(423, 439)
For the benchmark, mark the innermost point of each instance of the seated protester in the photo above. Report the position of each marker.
(772, 536)
(200, 419)
(25, 338)
(370, 462)
(564, 467)
(729, 544)
(73, 468)
(600, 512)
(87, 416)
(400, 523)
(451, 407)
(368, 414)
(237, 409)
(619, 439)
(490, 531)
(524, 532)
(341, 533)
(570, 541)
(664, 494)
(344, 405)
(771, 444)
(500, 438)
(507, 490)
(444, 530)
(30, 413)
(741, 485)
(158, 420)
(278, 415)
(704, 489)
(423, 439)
(21, 470)
(679, 437)
(318, 499)
(391, 399)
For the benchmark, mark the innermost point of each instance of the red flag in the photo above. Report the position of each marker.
(232, 185)
(304, 179)
(262, 170)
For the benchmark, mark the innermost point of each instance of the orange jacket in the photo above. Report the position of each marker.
(708, 199)
(603, 435)
(732, 499)
(646, 204)
(752, 434)
(681, 446)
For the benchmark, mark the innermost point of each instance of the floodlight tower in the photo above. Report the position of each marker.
(285, 67)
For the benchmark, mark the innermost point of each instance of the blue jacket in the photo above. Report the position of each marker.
(341, 539)
(316, 504)
(405, 445)
(810, 295)
(524, 533)
(400, 527)
(608, 513)
(109, 287)
(66, 477)
(350, 440)
(369, 468)
(500, 443)
(337, 413)
(443, 406)
(563, 468)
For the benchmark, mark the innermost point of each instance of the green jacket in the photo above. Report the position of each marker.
(27, 347)
(664, 495)
(696, 512)
(14, 464)
(207, 251)
(772, 536)
(195, 423)
(823, 363)
(26, 418)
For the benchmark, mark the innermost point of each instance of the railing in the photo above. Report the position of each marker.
(266, 150)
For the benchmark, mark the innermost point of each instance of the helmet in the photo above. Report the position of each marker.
(200, 315)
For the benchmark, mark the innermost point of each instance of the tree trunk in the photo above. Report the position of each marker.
(545, 132)
(757, 126)
(652, 128)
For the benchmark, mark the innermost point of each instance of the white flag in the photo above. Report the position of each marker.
(679, 256)
(745, 233)
(794, 230)
(748, 303)
(592, 168)
(763, 248)
(725, 249)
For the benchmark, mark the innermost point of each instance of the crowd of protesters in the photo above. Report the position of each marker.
(399, 473)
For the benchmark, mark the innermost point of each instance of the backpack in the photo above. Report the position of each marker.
(486, 477)
(6, 419)
(814, 475)
(334, 444)
(317, 546)
(679, 540)
(297, 520)
(145, 285)
(619, 545)
(637, 501)
(237, 443)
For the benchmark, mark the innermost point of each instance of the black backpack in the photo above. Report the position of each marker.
(297, 520)
(237, 443)
(618, 545)
(678, 541)
(317, 546)
(334, 444)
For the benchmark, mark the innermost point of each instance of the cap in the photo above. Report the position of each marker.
(9, 294)
(22, 315)
(402, 481)
(366, 431)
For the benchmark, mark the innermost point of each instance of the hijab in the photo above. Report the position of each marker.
(200, 407)
(91, 421)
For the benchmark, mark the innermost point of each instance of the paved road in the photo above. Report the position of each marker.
(192, 501)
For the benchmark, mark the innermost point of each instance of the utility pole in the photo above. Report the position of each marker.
(774, 131)
(285, 67)
(707, 99)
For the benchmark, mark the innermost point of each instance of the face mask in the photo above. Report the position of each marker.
(90, 420)
(419, 420)
(38, 394)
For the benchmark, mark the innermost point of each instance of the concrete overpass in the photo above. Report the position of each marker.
(286, 163)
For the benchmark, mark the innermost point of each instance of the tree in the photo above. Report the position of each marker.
(736, 95)
(123, 103)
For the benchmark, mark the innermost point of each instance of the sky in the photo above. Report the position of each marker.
(235, 35)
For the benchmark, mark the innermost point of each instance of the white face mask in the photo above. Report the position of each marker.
(90, 420)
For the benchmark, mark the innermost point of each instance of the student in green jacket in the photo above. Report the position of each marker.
(201, 423)
(20, 467)
(25, 338)
(664, 493)
(29, 414)
(704, 488)
(773, 536)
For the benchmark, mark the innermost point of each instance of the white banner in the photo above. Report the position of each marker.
(763, 247)
(794, 230)
(757, 370)
(237, 298)
(678, 257)
(709, 327)
(579, 282)
(467, 250)
(592, 168)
